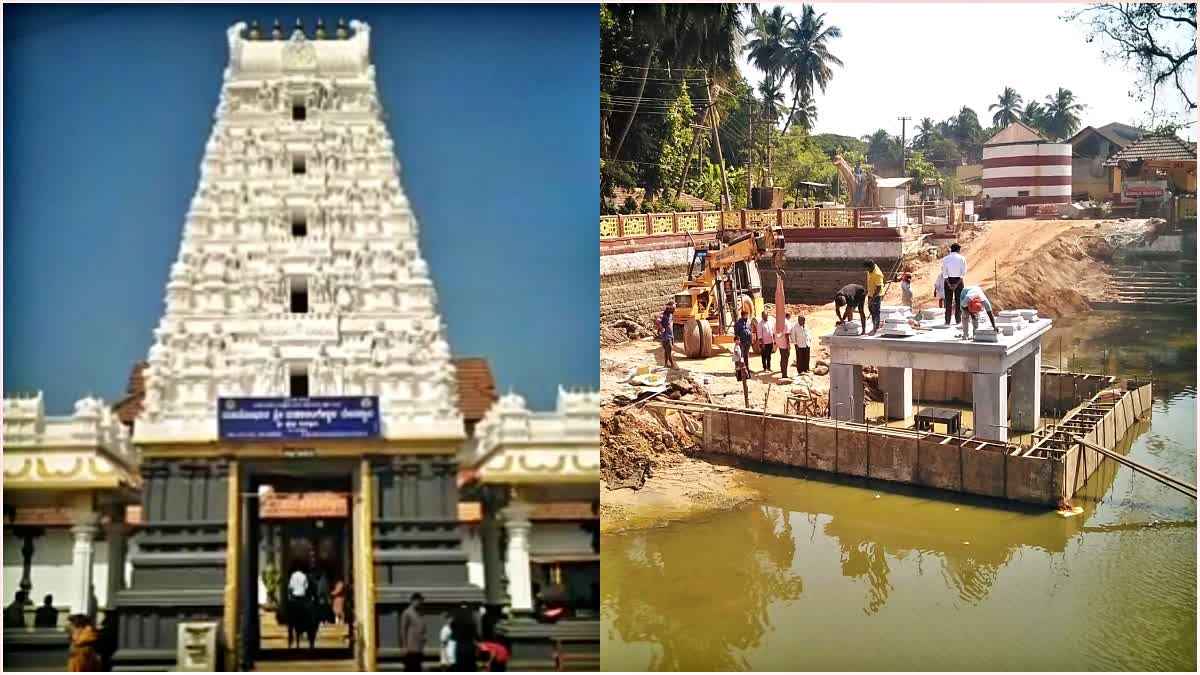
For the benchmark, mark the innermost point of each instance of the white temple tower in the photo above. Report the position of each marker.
(299, 271)
(299, 284)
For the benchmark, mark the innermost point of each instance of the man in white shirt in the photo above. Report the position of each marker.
(766, 340)
(297, 605)
(799, 335)
(954, 270)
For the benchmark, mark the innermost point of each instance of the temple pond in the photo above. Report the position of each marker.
(824, 574)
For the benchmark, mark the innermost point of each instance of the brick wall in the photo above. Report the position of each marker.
(639, 294)
(813, 282)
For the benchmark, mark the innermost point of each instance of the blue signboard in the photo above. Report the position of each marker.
(330, 417)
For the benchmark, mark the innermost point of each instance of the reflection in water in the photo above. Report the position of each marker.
(823, 574)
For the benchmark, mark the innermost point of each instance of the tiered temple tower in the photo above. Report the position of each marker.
(299, 276)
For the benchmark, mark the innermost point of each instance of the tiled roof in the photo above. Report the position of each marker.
(1017, 132)
(1166, 147)
(1113, 138)
(128, 408)
(476, 390)
(476, 387)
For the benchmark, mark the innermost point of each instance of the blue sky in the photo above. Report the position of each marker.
(106, 113)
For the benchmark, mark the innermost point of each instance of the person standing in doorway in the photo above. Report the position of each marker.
(412, 634)
(297, 606)
(801, 344)
(783, 343)
(954, 271)
(766, 340)
(874, 293)
(741, 331)
(666, 334)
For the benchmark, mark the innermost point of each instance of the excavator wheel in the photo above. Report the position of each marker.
(697, 339)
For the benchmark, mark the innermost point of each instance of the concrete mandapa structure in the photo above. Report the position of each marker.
(991, 364)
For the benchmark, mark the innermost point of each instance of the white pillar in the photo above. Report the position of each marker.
(896, 383)
(84, 532)
(516, 563)
(990, 405)
(1027, 391)
(846, 392)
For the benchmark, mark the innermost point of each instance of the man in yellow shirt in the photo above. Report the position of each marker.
(874, 292)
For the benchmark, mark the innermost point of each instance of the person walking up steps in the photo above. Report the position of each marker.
(766, 340)
(954, 270)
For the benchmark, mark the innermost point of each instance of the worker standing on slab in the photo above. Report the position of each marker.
(741, 331)
(874, 293)
(851, 297)
(974, 301)
(906, 290)
(954, 271)
(939, 290)
(666, 327)
(766, 341)
(799, 335)
(783, 342)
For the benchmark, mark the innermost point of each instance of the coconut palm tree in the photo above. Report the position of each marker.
(1007, 107)
(1062, 114)
(698, 35)
(1034, 116)
(925, 132)
(766, 46)
(809, 59)
(966, 126)
(805, 114)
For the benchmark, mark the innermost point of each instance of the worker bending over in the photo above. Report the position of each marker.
(874, 293)
(850, 297)
(974, 301)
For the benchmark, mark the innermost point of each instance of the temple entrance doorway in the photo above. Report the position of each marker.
(297, 538)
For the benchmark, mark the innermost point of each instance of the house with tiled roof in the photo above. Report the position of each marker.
(1090, 149)
(1152, 165)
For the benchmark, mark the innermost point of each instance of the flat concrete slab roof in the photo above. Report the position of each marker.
(938, 349)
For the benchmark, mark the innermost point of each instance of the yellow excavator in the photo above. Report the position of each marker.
(722, 281)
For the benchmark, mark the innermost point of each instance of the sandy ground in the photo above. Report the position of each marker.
(1046, 264)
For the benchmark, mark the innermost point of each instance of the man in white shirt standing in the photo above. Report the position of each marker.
(954, 270)
(799, 335)
(766, 340)
(297, 605)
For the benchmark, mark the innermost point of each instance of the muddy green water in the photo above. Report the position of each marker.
(822, 575)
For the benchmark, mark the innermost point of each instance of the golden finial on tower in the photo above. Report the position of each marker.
(343, 31)
(255, 31)
(277, 30)
(321, 34)
(299, 25)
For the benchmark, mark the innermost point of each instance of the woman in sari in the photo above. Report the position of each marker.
(83, 657)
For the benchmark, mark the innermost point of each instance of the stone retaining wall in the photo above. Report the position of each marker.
(814, 281)
(638, 294)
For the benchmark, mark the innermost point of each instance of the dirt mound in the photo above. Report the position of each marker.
(1059, 279)
(633, 444)
(623, 330)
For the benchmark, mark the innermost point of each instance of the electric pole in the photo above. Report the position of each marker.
(903, 165)
(750, 154)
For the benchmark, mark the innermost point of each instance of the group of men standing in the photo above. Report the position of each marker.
(769, 339)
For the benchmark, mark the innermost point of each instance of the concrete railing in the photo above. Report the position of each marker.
(638, 225)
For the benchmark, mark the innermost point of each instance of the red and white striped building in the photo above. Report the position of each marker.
(1022, 168)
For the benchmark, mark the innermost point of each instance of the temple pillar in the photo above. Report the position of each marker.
(896, 383)
(990, 405)
(115, 532)
(27, 535)
(83, 552)
(1027, 392)
(489, 535)
(516, 564)
(846, 392)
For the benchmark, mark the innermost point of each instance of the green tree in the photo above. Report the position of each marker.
(925, 133)
(944, 152)
(766, 48)
(882, 147)
(1007, 107)
(1158, 40)
(677, 142)
(1034, 115)
(952, 187)
(809, 60)
(805, 116)
(921, 170)
(799, 159)
(1062, 114)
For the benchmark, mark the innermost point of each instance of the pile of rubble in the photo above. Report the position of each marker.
(623, 330)
(635, 440)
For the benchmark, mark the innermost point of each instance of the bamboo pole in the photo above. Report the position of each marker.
(1173, 483)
